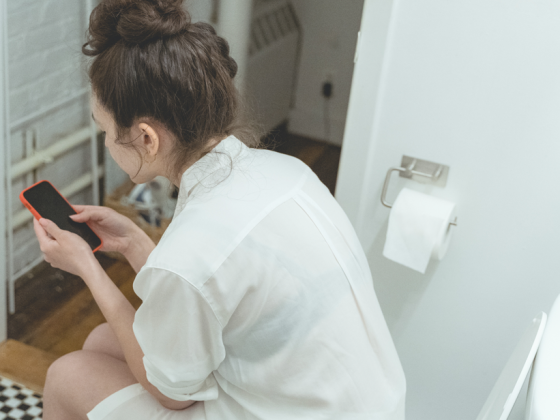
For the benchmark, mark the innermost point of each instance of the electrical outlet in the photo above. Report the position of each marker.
(327, 85)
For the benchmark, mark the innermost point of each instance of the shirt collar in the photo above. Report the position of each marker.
(209, 170)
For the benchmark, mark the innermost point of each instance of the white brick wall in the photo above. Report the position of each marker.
(45, 66)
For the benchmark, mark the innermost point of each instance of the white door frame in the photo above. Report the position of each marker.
(358, 147)
(4, 138)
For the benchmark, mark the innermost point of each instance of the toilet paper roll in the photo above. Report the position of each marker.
(418, 229)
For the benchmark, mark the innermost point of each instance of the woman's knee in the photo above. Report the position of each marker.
(102, 339)
(58, 385)
(78, 381)
(95, 337)
(63, 378)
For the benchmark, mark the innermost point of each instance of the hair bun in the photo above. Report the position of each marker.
(143, 20)
(134, 21)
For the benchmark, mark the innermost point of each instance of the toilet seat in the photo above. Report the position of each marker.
(543, 397)
(504, 393)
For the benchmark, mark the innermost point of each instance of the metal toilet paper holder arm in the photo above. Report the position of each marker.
(423, 171)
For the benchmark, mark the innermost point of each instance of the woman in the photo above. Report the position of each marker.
(257, 303)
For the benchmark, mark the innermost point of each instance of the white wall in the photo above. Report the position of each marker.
(473, 85)
(44, 63)
(234, 24)
(330, 29)
(200, 10)
(4, 135)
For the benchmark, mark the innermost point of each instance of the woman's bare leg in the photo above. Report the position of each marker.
(61, 379)
(78, 381)
(103, 340)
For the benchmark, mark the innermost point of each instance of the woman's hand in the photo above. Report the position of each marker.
(116, 231)
(63, 249)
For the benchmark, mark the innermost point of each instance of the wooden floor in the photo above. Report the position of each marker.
(25, 364)
(56, 312)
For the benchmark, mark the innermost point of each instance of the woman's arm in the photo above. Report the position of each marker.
(119, 313)
(118, 232)
(67, 251)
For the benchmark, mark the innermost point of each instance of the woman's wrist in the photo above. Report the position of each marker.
(89, 267)
(133, 235)
(139, 248)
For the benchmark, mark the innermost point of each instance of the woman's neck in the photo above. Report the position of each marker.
(210, 146)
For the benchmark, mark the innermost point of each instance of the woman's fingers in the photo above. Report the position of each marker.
(65, 250)
(80, 217)
(41, 233)
(51, 228)
(79, 207)
(86, 213)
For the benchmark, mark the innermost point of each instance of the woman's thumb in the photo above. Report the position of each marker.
(78, 217)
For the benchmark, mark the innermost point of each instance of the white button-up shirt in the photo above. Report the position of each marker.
(259, 301)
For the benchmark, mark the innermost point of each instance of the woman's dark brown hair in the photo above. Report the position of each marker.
(152, 62)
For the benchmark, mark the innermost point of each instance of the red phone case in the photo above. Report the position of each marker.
(38, 216)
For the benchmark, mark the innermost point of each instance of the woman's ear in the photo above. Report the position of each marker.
(150, 139)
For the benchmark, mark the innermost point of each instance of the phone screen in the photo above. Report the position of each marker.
(48, 202)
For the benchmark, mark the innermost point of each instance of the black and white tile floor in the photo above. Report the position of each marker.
(18, 402)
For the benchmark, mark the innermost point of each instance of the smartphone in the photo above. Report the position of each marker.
(43, 200)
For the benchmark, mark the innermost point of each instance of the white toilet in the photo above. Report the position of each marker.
(543, 399)
(542, 339)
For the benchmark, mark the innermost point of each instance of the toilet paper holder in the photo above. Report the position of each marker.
(419, 170)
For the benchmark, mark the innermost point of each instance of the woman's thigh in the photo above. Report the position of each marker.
(85, 382)
(103, 340)
(78, 381)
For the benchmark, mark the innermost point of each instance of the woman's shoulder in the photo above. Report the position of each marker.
(210, 225)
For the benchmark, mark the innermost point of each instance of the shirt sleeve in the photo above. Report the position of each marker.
(179, 334)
